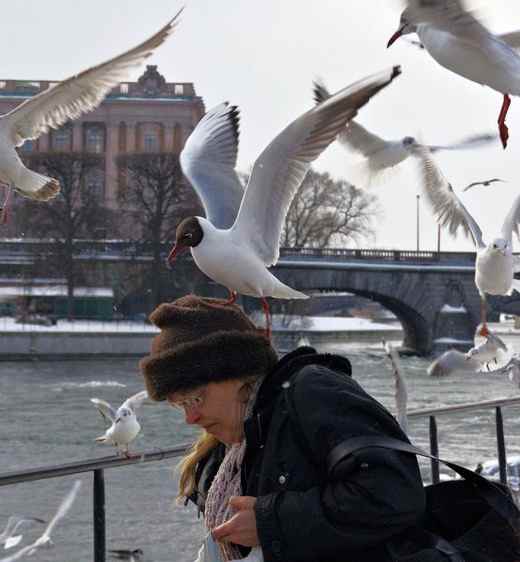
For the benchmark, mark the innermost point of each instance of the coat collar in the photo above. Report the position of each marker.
(257, 425)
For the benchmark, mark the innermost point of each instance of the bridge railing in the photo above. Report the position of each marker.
(98, 466)
(128, 249)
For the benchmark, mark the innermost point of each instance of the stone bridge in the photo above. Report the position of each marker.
(433, 294)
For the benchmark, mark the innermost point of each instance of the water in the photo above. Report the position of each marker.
(47, 418)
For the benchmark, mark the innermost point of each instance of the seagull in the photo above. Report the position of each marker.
(124, 554)
(381, 154)
(452, 361)
(45, 539)
(486, 183)
(8, 537)
(55, 106)
(488, 350)
(124, 426)
(457, 40)
(238, 256)
(495, 264)
(401, 388)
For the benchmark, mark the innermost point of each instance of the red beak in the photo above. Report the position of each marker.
(395, 37)
(484, 332)
(175, 251)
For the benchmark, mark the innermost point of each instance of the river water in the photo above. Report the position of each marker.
(47, 419)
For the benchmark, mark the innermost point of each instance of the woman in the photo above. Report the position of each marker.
(259, 470)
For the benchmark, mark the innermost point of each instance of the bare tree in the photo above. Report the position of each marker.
(156, 197)
(77, 211)
(327, 212)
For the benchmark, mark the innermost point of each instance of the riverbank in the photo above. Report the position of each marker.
(84, 339)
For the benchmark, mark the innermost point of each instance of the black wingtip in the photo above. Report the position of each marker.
(396, 71)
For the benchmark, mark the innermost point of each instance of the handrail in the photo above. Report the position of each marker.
(464, 407)
(89, 465)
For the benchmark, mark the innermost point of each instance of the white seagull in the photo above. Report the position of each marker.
(238, 256)
(495, 265)
(401, 387)
(45, 539)
(489, 350)
(380, 154)
(457, 40)
(8, 537)
(124, 426)
(55, 106)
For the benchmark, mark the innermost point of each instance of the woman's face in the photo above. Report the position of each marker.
(218, 407)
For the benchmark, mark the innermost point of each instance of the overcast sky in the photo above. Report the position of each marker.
(263, 56)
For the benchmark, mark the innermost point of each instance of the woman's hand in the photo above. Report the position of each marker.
(241, 528)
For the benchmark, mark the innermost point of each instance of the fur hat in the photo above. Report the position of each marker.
(202, 341)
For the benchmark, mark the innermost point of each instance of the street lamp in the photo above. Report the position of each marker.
(418, 199)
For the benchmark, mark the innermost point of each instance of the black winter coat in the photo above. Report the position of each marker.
(306, 406)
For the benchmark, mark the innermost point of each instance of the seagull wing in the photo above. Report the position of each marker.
(512, 39)
(473, 141)
(280, 169)
(354, 136)
(80, 93)
(401, 388)
(497, 342)
(209, 159)
(135, 401)
(511, 221)
(105, 409)
(64, 507)
(448, 208)
(487, 182)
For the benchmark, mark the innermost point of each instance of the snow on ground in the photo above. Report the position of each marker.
(282, 323)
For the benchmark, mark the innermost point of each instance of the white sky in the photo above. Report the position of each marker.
(263, 56)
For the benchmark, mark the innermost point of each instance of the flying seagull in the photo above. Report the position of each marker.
(45, 539)
(8, 537)
(495, 264)
(55, 106)
(457, 40)
(238, 257)
(381, 154)
(486, 183)
(124, 426)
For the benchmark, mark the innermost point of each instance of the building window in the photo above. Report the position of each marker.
(62, 139)
(150, 142)
(179, 89)
(95, 139)
(95, 185)
(123, 88)
(3, 84)
(28, 146)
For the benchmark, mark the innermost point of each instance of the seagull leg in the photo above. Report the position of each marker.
(4, 216)
(232, 297)
(502, 127)
(265, 306)
(483, 317)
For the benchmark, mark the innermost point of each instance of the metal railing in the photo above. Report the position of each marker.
(97, 466)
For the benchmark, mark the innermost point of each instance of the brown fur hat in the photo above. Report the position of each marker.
(202, 341)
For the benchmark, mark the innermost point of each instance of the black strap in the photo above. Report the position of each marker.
(493, 494)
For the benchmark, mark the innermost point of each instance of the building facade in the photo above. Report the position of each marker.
(150, 115)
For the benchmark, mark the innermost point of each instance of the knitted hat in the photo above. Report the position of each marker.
(202, 341)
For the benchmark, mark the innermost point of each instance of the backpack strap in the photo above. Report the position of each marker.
(494, 495)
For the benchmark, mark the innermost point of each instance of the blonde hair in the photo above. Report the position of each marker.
(202, 447)
(188, 465)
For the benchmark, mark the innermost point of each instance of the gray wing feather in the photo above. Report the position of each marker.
(80, 93)
(209, 159)
(280, 169)
(135, 401)
(473, 141)
(511, 221)
(105, 409)
(449, 210)
(512, 39)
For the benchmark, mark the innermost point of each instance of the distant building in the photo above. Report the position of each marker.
(150, 115)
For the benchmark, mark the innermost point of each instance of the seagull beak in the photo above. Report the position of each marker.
(395, 36)
(175, 251)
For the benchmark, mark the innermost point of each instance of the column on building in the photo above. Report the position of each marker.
(178, 141)
(77, 136)
(112, 144)
(121, 175)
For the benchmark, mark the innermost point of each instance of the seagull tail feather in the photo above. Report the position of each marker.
(37, 186)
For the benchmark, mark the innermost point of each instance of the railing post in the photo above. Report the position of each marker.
(501, 446)
(434, 450)
(99, 516)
